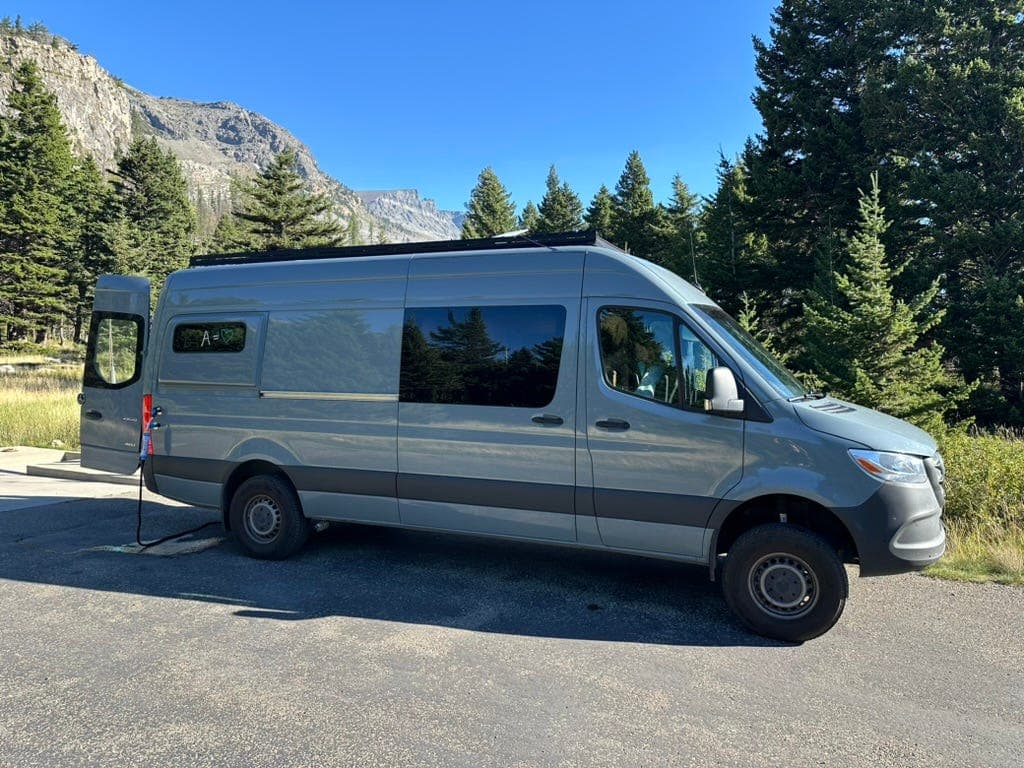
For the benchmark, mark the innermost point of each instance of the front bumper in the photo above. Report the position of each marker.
(898, 529)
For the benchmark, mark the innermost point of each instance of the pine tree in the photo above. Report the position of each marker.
(635, 220)
(529, 216)
(229, 237)
(952, 121)
(160, 225)
(750, 320)
(352, 231)
(599, 213)
(95, 212)
(35, 216)
(490, 211)
(733, 255)
(560, 209)
(869, 348)
(931, 93)
(277, 211)
(681, 219)
(804, 170)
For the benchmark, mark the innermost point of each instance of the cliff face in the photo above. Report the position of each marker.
(220, 141)
(405, 208)
(214, 142)
(94, 105)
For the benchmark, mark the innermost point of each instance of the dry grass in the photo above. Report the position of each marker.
(37, 403)
(978, 555)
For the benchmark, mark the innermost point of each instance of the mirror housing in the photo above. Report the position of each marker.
(722, 392)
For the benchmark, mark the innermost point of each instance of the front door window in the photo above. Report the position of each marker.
(654, 355)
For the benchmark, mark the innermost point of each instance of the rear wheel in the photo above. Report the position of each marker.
(785, 582)
(267, 518)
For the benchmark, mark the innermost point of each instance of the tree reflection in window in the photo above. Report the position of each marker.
(504, 356)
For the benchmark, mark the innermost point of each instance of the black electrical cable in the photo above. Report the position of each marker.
(138, 527)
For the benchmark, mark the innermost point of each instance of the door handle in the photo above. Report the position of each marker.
(547, 418)
(612, 424)
(94, 415)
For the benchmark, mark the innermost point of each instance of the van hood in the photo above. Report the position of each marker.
(876, 430)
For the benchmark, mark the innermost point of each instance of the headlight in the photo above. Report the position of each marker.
(891, 467)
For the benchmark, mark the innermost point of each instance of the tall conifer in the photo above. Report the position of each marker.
(276, 210)
(528, 218)
(634, 220)
(869, 348)
(159, 224)
(560, 210)
(490, 211)
(35, 215)
(599, 212)
(95, 212)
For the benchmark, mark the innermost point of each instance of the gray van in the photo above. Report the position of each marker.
(556, 390)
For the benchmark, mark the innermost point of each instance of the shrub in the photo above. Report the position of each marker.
(985, 480)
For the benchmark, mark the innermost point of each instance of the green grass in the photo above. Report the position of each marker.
(37, 401)
(984, 508)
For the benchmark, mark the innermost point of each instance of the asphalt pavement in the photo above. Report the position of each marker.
(380, 647)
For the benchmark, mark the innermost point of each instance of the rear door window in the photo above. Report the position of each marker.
(114, 354)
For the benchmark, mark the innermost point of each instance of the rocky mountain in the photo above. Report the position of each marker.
(215, 143)
(406, 208)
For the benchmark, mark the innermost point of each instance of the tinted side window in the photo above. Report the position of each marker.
(654, 355)
(209, 337)
(211, 350)
(114, 353)
(638, 353)
(505, 356)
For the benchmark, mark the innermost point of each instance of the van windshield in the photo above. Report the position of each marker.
(751, 350)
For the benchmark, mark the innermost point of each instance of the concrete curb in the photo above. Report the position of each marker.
(73, 470)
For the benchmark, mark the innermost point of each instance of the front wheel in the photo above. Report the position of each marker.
(267, 518)
(785, 582)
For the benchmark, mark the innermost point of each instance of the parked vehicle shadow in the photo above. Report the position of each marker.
(477, 584)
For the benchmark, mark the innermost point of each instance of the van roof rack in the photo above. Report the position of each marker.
(584, 237)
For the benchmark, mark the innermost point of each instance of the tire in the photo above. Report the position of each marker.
(785, 582)
(267, 519)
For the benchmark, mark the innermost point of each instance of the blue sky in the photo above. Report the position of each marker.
(424, 95)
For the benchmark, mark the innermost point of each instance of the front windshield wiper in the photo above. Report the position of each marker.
(807, 396)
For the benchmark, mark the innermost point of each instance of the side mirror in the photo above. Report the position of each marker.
(722, 392)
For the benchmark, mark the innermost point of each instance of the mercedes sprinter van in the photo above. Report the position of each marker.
(555, 390)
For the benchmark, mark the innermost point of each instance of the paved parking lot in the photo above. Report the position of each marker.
(394, 648)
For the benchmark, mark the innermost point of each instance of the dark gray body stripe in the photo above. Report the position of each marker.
(200, 470)
(488, 493)
(640, 506)
(364, 482)
(648, 507)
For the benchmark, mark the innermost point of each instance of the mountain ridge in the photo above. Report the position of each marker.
(216, 143)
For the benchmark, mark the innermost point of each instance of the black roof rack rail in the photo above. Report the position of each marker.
(585, 237)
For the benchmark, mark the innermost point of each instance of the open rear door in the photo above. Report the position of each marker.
(111, 399)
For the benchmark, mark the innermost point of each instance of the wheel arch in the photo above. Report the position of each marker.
(773, 508)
